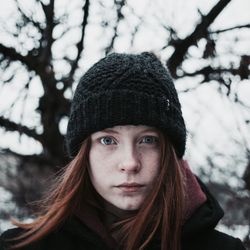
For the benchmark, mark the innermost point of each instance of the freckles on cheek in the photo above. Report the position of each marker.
(153, 159)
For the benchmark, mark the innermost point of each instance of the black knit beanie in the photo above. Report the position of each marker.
(126, 89)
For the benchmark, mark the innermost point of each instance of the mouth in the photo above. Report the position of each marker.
(130, 187)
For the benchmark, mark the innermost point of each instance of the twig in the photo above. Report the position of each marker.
(12, 126)
(229, 29)
(181, 47)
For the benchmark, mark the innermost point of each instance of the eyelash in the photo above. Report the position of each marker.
(112, 141)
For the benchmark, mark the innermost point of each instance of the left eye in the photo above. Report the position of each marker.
(149, 139)
(107, 140)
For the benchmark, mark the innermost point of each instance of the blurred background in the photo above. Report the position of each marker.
(45, 47)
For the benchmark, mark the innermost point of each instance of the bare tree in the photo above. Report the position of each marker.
(44, 26)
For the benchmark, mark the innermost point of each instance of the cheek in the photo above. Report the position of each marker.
(151, 162)
(99, 179)
(99, 156)
(99, 169)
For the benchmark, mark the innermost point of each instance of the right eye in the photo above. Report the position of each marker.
(107, 140)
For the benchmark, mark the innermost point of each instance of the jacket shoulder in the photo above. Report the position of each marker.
(226, 240)
(215, 240)
(8, 235)
(62, 239)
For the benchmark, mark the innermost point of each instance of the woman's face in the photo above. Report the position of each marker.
(124, 164)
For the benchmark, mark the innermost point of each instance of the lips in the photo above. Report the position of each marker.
(130, 187)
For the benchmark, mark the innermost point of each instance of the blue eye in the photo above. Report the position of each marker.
(149, 140)
(107, 140)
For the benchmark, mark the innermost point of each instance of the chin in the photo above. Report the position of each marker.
(129, 207)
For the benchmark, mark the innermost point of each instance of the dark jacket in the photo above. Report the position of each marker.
(198, 234)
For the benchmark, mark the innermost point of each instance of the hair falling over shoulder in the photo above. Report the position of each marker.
(160, 216)
(60, 202)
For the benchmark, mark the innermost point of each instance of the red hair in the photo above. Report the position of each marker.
(161, 213)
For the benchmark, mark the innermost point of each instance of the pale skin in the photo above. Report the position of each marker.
(124, 164)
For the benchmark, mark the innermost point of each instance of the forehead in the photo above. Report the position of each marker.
(124, 129)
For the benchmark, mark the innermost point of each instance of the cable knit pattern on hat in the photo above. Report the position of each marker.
(126, 89)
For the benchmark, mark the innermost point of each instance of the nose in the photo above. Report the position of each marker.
(130, 160)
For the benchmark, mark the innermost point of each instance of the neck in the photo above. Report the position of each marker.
(111, 214)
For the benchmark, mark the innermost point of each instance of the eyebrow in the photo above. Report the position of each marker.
(149, 130)
(109, 130)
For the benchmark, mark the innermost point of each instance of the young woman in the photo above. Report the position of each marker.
(127, 186)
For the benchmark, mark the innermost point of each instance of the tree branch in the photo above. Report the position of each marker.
(12, 55)
(229, 29)
(80, 46)
(181, 46)
(119, 6)
(47, 38)
(207, 71)
(211, 73)
(12, 126)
